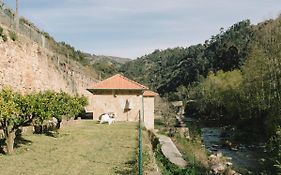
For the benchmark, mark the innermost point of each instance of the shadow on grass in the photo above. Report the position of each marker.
(54, 134)
(130, 168)
(2, 145)
(19, 141)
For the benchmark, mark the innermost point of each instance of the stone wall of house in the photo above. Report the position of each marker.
(149, 112)
(118, 103)
(26, 67)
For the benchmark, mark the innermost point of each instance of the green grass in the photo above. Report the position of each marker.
(82, 148)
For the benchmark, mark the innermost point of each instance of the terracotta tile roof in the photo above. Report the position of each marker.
(118, 82)
(149, 94)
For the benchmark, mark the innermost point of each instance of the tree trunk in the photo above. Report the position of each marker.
(10, 139)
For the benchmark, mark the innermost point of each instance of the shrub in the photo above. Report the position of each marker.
(17, 110)
(1, 31)
(4, 37)
(13, 36)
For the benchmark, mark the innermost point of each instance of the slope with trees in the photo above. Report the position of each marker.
(166, 70)
(234, 78)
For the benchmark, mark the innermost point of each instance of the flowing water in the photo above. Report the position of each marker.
(245, 158)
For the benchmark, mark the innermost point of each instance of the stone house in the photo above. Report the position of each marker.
(125, 98)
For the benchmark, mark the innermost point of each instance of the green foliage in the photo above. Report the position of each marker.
(10, 116)
(17, 110)
(1, 31)
(250, 99)
(218, 95)
(69, 52)
(42, 107)
(166, 112)
(166, 70)
(274, 148)
(106, 67)
(13, 35)
(4, 37)
(60, 105)
(9, 109)
(166, 167)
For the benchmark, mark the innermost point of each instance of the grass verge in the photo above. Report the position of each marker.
(82, 148)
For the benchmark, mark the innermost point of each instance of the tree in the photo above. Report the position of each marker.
(11, 115)
(42, 109)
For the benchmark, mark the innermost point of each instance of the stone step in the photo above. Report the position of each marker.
(170, 151)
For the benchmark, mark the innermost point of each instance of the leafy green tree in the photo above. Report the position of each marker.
(42, 109)
(217, 97)
(65, 106)
(11, 117)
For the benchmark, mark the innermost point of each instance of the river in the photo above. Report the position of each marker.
(246, 158)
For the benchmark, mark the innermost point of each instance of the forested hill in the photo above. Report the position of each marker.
(105, 66)
(166, 70)
(234, 79)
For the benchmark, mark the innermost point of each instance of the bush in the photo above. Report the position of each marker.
(5, 38)
(13, 36)
(274, 149)
(1, 31)
(17, 110)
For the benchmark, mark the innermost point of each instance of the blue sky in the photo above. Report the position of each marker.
(132, 28)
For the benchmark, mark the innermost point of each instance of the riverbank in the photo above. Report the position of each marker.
(245, 158)
(191, 150)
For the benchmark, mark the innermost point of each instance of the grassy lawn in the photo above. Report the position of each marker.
(82, 148)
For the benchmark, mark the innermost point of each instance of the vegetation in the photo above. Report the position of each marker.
(168, 168)
(191, 149)
(165, 113)
(82, 148)
(2, 35)
(106, 67)
(10, 116)
(193, 153)
(13, 35)
(17, 110)
(166, 70)
(234, 78)
(249, 98)
(1, 31)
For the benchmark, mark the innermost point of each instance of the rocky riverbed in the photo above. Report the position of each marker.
(218, 141)
(244, 158)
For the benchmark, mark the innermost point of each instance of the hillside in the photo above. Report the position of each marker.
(166, 70)
(105, 66)
(233, 81)
(93, 58)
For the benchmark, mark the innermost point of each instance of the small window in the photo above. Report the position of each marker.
(128, 105)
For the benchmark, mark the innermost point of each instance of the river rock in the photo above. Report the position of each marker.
(230, 172)
(218, 164)
(218, 168)
(228, 164)
(184, 132)
(227, 144)
(228, 158)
